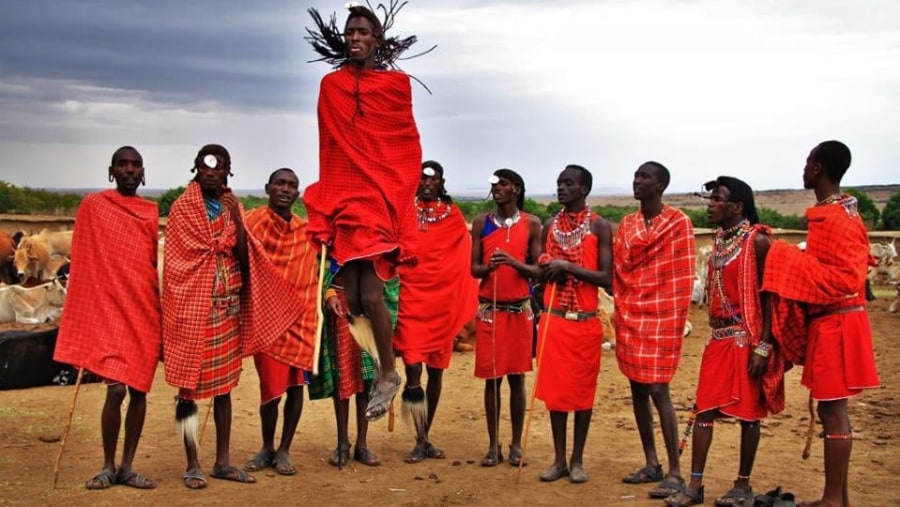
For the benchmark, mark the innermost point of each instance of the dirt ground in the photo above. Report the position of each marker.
(30, 416)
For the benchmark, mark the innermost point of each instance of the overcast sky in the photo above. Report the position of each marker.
(707, 87)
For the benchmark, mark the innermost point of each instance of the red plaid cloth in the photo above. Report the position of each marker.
(369, 164)
(111, 322)
(652, 284)
(437, 295)
(293, 256)
(268, 304)
(836, 350)
(723, 372)
(822, 275)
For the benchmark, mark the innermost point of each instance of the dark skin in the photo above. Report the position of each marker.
(342, 407)
(505, 193)
(127, 169)
(834, 414)
(648, 188)
(213, 183)
(726, 214)
(363, 288)
(282, 191)
(572, 193)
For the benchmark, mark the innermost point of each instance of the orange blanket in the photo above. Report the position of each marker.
(293, 256)
(438, 295)
(111, 322)
(268, 304)
(652, 283)
(369, 164)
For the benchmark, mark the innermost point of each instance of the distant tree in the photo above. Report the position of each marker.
(167, 198)
(773, 218)
(866, 206)
(698, 218)
(614, 214)
(890, 216)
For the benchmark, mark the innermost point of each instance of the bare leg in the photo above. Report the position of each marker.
(365, 296)
(836, 423)
(701, 442)
(749, 445)
(222, 417)
(341, 416)
(492, 412)
(293, 408)
(516, 407)
(433, 394)
(362, 424)
(268, 418)
(110, 423)
(558, 427)
(414, 381)
(668, 421)
(643, 417)
(134, 425)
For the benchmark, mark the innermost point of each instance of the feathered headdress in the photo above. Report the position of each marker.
(327, 39)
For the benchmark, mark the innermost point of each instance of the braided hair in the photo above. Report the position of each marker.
(738, 191)
(516, 180)
(439, 169)
(212, 149)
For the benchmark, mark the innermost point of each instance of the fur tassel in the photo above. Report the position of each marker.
(187, 422)
(361, 329)
(415, 408)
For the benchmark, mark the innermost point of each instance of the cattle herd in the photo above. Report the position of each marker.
(31, 288)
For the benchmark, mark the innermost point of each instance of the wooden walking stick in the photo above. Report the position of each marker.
(537, 372)
(496, 399)
(65, 435)
(391, 416)
(810, 431)
(209, 408)
(320, 310)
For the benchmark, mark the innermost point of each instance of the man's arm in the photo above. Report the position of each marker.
(602, 277)
(479, 270)
(240, 249)
(760, 363)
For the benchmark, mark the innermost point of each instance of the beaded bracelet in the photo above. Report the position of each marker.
(762, 349)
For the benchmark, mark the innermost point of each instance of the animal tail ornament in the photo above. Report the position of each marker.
(361, 329)
(415, 408)
(187, 422)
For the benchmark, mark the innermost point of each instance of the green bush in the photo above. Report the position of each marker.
(167, 198)
(890, 216)
(26, 200)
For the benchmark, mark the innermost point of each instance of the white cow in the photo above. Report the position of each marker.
(701, 281)
(32, 305)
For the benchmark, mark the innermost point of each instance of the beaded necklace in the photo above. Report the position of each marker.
(431, 214)
(506, 223)
(575, 234)
(728, 244)
(830, 199)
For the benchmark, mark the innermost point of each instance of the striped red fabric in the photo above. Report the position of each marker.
(438, 294)
(111, 321)
(369, 164)
(293, 256)
(652, 283)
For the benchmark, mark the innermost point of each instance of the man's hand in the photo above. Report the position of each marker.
(758, 365)
(230, 202)
(555, 270)
(501, 257)
(333, 304)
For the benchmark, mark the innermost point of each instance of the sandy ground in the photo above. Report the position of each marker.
(28, 417)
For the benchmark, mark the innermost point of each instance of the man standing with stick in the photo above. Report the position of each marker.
(578, 259)
(437, 296)
(282, 235)
(832, 336)
(506, 244)
(654, 276)
(114, 256)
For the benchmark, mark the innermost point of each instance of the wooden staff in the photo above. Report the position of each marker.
(810, 430)
(537, 372)
(494, 365)
(209, 408)
(65, 435)
(320, 312)
(391, 416)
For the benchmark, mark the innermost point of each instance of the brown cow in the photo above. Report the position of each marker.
(32, 259)
(7, 251)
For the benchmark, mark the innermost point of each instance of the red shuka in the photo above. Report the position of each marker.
(369, 164)
(437, 296)
(111, 321)
(652, 283)
(836, 348)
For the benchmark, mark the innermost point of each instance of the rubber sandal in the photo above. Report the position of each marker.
(134, 479)
(736, 497)
(366, 457)
(668, 487)
(493, 458)
(283, 466)
(380, 401)
(231, 473)
(416, 455)
(339, 457)
(685, 498)
(577, 475)
(260, 461)
(553, 473)
(515, 456)
(102, 480)
(434, 452)
(644, 475)
(194, 474)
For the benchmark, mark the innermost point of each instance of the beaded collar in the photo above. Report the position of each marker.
(506, 223)
(728, 244)
(830, 199)
(571, 238)
(431, 214)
